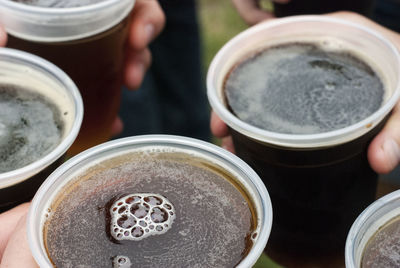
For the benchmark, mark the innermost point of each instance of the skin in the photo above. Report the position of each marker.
(384, 150)
(148, 20)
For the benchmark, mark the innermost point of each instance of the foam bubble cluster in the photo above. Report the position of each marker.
(121, 262)
(137, 216)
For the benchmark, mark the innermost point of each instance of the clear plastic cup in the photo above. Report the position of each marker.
(25, 70)
(108, 156)
(368, 223)
(86, 42)
(318, 183)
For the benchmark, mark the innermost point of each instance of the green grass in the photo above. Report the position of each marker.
(219, 23)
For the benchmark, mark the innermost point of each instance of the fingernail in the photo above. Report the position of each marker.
(149, 31)
(392, 151)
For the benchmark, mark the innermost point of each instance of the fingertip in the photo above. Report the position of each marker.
(3, 37)
(134, 74)
(383, 154)
(218, 127)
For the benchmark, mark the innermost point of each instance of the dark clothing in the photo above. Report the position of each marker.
(298, 7)
(172, 99)
(387, 13)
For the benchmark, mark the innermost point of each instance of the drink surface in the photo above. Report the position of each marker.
(59, 3)
(300, 88)
(212, 227)
(383, 248)
(30, 127)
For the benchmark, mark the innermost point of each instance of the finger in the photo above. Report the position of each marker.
(3, 37)
(251, 11)
(218, 127)
(384, 150)
(148, 20)
(117, 126)
(357, 18)
(136, 66)
(17, 253)
(227, 144)
(8, 221)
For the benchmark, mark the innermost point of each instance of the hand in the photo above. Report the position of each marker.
(14, 248)
(384, 150)
(148, 20)
(3, 37)
(251, 11)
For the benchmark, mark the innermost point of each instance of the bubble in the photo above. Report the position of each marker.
(137, 232)
(138, 216)
(153, 200)
(140, 210)
(126, 222)
(159, 215)
(121, 262)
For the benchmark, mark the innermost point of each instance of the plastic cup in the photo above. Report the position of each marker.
(108, 156)
(318, 183)
(88, 43)
(368, 223)
(28, 71)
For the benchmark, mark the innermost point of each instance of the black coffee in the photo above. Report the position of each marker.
(383, 250)
(151, 210)
(59, 3)
(299, 88)
(30, 127)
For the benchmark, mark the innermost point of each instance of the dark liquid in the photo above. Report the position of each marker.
(30, 127)
(383, 250)
(59, 3)
(95, 65)
(301, 89)
(316, 193)
(212, 227)
(300, 7)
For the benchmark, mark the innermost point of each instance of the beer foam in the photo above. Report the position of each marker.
(59, 3)
(121, 262)
(30, 127)
(383, 250)
(213, 223)
(137, 216)
(301, 88)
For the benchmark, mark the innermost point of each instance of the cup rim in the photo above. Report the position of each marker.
(303, 141)
(15, 176)
(39, 10)
(361, 221)
(160, 140)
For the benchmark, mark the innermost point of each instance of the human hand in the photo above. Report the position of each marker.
(384, 150)
(3, 37)
(251, 11)
(14, 248)
(148, 20)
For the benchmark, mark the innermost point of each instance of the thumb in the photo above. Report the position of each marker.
(251, 11)
(384, 150)
(3, 37)
(17, 253)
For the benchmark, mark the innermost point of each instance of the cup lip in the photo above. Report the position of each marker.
(360, 221)
(13, 177)
(157, 140)
(39, 10)
(302, 141)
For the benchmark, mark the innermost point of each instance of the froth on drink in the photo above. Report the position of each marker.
(303, 98)
(374, 240)
(86, 39)
(40, 115)
(151, 201)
